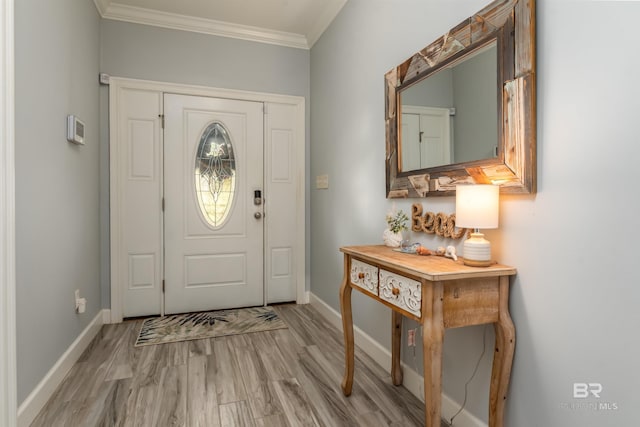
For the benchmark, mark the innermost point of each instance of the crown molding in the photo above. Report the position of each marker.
(174, 21)
(102, 6)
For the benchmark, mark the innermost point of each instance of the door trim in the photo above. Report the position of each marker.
(115, 216)
(8, 382)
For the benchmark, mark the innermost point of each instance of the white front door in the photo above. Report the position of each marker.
(213, 224)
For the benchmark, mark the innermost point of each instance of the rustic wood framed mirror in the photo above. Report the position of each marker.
(507, 29)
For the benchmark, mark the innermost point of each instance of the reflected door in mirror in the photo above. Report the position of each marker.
(426, 136)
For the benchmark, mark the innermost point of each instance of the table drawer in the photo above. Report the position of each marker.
(364, 276)
(400, 291)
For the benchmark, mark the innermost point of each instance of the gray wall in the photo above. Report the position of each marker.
(149, 53)
(476, 121)
(436, 91)
(574, 300)
(57, 183)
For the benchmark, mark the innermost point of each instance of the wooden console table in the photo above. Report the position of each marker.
(439, 293)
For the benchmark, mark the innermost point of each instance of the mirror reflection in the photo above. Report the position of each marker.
(451, 116)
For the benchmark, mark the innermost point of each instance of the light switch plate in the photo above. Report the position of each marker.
(322, 182)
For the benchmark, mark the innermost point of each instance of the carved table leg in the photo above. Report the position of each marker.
(347, 327)
(432, 347)
(502, 357)
(396, 343)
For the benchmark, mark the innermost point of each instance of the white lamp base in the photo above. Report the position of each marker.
(477, 251)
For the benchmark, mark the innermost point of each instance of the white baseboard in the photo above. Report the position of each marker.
(303, 298)
(32, 405)
(412, 381)
(106, 316)
(377, 352)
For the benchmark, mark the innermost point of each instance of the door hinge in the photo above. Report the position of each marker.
(163, 204)
(163, 286)
(161, 116)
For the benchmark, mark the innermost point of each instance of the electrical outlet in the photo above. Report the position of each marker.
(411, 338)
(81, 303)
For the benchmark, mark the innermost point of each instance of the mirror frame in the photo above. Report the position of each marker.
(512, 24)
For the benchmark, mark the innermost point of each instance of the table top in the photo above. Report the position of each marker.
(430, 267)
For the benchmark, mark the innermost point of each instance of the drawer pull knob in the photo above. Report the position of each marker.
(361, 275)
(395, 291)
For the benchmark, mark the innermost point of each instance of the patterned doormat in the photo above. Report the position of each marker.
(195, 326)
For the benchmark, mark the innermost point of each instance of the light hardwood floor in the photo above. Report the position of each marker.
(288, 377)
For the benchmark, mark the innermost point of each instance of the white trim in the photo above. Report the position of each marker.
(32, 405)
(174, 21)
(115, 246)
(412, 381)
(304, 296)
(8, 390)
(196, 90)
(117, 83)
(102, 6)
(464, 419)
(377, 352)
(106, 316)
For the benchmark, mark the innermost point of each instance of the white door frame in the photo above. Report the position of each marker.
(8, 382)
(116, 220)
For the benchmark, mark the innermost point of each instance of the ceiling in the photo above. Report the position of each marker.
(292, 23)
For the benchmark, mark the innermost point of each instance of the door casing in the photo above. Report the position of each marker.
(298, 140)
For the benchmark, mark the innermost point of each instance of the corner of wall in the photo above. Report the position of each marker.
(38, 398)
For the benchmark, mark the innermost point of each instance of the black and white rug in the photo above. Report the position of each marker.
(195, 326)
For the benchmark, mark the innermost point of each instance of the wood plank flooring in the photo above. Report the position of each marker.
(288, 377)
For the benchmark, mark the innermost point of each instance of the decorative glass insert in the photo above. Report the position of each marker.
(215, 174)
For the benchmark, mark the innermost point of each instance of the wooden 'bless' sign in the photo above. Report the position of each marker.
(441, 224)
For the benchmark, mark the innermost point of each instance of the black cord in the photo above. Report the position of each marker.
(484, 348)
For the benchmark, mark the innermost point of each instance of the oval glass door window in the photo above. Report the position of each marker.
(215, 174)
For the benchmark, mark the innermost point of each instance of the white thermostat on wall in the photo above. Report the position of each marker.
(75, 130)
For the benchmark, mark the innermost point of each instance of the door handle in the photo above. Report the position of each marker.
(257, 215)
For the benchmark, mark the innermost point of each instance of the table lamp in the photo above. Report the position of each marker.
(476, 208)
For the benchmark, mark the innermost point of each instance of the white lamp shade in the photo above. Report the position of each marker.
(477, 206)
